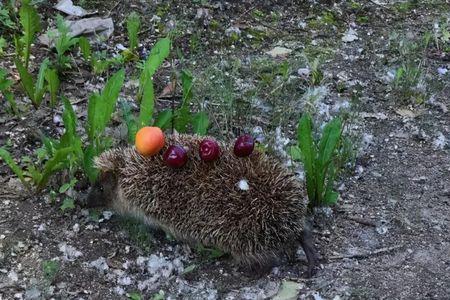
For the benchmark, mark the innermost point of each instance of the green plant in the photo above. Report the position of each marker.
(63, 42)
(158, 54)
(159, 296)
(5, 19)
(30, 21)
(6, 156)
(138, 232)
(133, 25)
(5, 89)
(318, 157)
(34, 90)
(51, 76)
(50, 269)
(68, 202)
(182, 116)
(99, 61)
(3, 44)
(209, 253)
(134, 296)
(100, 108)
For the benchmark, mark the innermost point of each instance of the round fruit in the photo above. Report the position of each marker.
(244, 145)
(209, 150)
(175, 156)
(149, 140)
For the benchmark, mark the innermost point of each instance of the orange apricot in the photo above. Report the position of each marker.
(149, 140)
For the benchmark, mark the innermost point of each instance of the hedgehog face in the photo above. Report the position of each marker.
(103, 192)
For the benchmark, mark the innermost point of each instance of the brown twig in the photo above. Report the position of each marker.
(362, 221)
(366, 254)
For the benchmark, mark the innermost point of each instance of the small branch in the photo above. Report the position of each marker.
(362, 221)
(367, 254)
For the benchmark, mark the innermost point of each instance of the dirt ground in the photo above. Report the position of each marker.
(387, 238)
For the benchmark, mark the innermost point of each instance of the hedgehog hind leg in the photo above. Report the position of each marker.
(307, 244)
(255, 264)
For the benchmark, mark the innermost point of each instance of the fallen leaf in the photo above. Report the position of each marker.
(289, 290)
(407, 113)
(279, 52)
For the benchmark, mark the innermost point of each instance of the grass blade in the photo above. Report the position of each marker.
(85, 47)
(164, 118)
(6, 156)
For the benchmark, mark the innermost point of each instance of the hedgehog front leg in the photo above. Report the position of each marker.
(306, 241)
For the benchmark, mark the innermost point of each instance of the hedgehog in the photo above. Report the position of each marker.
(250, 207)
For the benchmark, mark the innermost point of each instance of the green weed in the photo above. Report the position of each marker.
(63, 42)
(5, 89)
(133, 25)
(318, 157)
(35, 90)
(50, 269)
(51, 76)
(31, 25)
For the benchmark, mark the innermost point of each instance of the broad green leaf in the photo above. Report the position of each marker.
(68, 203)
(51, 76)
(189, 268)
(12, 102)
(27, 81)
(158, 54)
(85, 47)
(70, 136)
(64, 41)
(164, 119)
(329, 141)
(40, 87)
(133, 25)
(296, 153)
(6, 156)
(89, 153)
(5, 83)
(306, 144)
(134, 296)
(53, 165)
(30, 21)
(186, 81)
(181, 119)
(330, 198)
(64, 188)
(200, 123)
(101, 107)
(147, 105)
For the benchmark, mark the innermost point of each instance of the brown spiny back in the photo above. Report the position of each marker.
(201, 202)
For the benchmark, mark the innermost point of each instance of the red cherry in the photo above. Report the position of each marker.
(244, 145)
(175, 156)
(209, 150)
